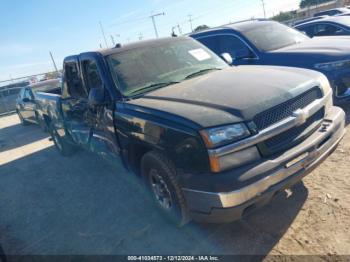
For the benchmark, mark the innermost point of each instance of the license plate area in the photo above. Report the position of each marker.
(297, 160)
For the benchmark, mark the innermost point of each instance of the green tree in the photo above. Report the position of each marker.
(201, 28)
(284, 16)
(307, 3)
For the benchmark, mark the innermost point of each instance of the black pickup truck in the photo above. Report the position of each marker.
(210, 141)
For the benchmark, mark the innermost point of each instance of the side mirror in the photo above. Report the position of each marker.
(227, 58)
(96, 97)
(26, 100)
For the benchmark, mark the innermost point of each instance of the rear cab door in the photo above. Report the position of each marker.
(74, 103)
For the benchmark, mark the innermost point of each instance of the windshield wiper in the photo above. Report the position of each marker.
(152, 87)
(201, 72)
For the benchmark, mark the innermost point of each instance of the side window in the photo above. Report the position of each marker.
(212, 42)
(74, 87)
(226, 44)
(234, 46)
(309, 30)
(326, 29)
(93, 78)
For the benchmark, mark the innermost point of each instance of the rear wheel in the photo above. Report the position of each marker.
(63, 146)
(160, 177)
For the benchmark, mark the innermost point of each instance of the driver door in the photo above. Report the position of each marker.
(99, 117)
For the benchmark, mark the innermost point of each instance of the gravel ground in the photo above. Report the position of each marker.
(86, 205)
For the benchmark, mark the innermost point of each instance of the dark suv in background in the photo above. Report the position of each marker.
(265, 42)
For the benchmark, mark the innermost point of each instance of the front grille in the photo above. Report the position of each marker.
(293, 136)
(286, 109)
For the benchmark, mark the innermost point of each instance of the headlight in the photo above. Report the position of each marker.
(218, 136)
(332, 65)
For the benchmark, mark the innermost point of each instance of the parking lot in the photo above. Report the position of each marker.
(87, 205)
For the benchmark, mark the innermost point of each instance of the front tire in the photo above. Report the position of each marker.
(62, 145)
(160, 177)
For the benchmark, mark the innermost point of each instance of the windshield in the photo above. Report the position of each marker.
(160, 64)
(272, 36)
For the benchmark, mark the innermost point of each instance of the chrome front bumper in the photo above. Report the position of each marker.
(315, 148)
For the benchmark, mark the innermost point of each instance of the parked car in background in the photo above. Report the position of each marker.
(211, 142)
(309, 20)
(330, 26)
(31, 103)
(265, 42)
(333, 12)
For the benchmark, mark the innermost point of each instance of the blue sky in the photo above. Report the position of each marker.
(32, 28)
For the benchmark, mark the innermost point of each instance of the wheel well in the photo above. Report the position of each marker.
(135, 154)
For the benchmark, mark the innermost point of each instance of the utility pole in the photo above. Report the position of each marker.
(113, 42)
(190, 20)
(263, 5)
(103, 33)
(154, 22)
(53, 61)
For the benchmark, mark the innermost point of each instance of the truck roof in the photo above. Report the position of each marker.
(140, 44)
(238, 26)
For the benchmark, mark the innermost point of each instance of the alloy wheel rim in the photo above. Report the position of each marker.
(160, 190)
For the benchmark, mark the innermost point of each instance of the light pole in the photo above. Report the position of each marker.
(54, 63)
(103, 33)
(113, 41)
(154, 22)
(263, 5)
(190, 20)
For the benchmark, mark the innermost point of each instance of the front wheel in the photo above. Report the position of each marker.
(160, 177)
(63, 146)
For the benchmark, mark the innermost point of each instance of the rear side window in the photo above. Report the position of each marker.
(73, 85)
(226, 44)
(93, 78)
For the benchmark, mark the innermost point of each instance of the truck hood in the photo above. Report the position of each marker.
(228, 96)
(331, 46)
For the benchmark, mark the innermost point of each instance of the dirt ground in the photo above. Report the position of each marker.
(86, 205)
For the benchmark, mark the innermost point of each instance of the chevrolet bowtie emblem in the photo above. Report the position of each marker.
(301, 116)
